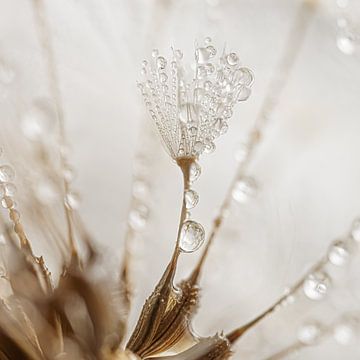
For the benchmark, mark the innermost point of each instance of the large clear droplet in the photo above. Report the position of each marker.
(192, 236)
(346, 44)
(40, 120)
(138, 217)
(7, 173)
(317, 285)
(245, 189)
(310, 333)
(191, 198)
(195, 171)
(338, 253)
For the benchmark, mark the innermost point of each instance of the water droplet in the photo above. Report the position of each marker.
(244, 189)
(191, 198)
(346, 44)
(355, 230)
(68, 174)
(310, 333)
(317, 285)
(207, 85)
(210, 68)
(155, 53)
(338, 253)
(7, 74)
(202, 55)
(9, 189)
(140, 189)
(72, 200)
(211, 50)
(210, 147)
(199, 147)
(163, 77)
(138, 217)
(40, 120)
(243, 94)
(346, 329)
(245, 76)
(192, 236)
(195, 171)
(7, 202)
(144, 63)
(7, 173)
(161, 63)
(232, 59)
(207, 40)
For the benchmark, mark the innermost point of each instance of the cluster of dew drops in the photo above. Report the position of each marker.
(200, 109)
(317, 285)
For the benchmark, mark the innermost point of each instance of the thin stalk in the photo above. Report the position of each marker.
(237, 333)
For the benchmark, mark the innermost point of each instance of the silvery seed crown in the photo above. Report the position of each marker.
(192, 110)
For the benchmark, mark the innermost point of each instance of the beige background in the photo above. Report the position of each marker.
(307, 167)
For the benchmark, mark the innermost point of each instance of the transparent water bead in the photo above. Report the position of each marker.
(241, 153)
(346, 44)
(345, 331)
(140, 189)
(40, 120)
(7, 202)
(310, 333)
(195, 171)
(138, 217)
(9, 189)
(338, 253)
(317, 285)
(7, 173)
(192, 236)
(191, 198)
(355, 230)
(244, 189)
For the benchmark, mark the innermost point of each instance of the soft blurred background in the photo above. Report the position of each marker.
(306, 166)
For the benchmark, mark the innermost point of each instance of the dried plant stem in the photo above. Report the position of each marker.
(45, 39)
(237, 333)
(277, 84)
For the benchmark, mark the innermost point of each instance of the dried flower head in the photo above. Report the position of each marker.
(192, 108)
